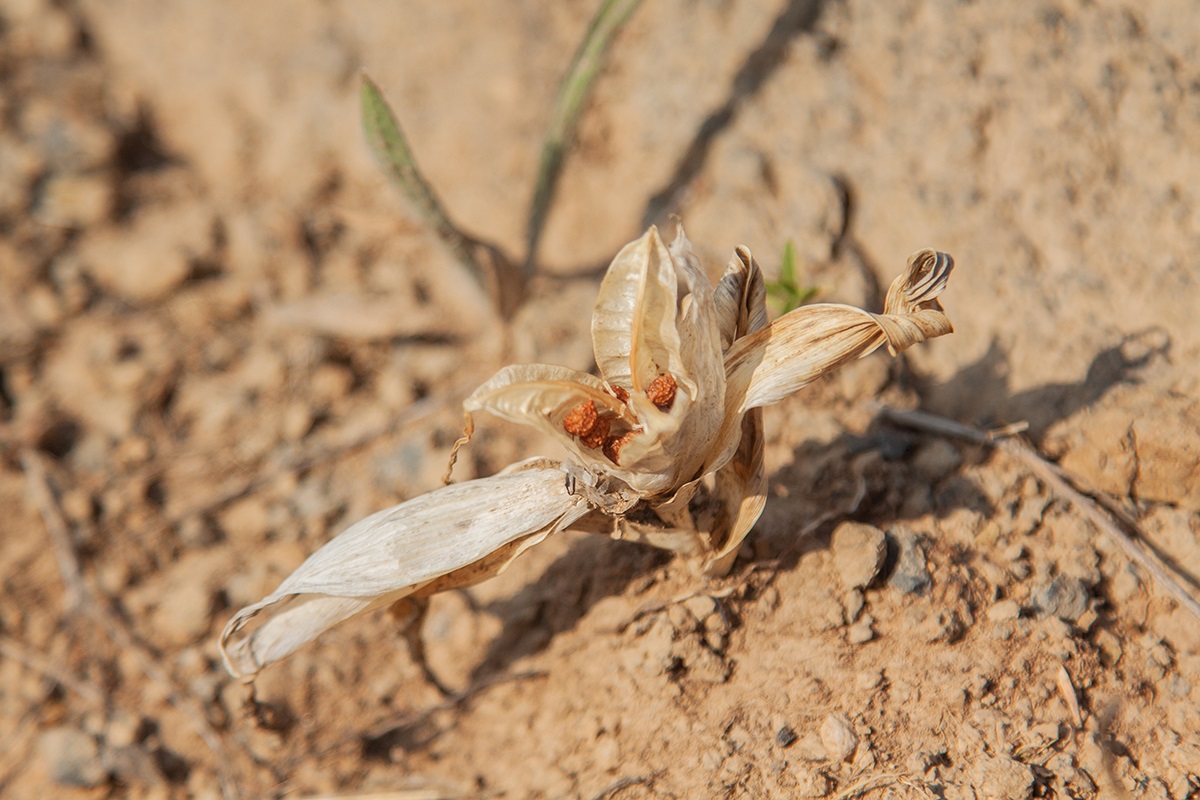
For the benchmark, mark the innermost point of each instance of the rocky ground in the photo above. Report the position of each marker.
(223, 338)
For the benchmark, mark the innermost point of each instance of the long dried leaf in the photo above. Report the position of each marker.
(396, 552)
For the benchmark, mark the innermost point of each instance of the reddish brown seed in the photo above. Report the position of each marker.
(661, 391)
(596, 436)
(620, 394)
(581, 419)
(585, 422)
(613, 445)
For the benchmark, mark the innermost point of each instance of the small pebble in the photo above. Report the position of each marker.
(868, 679)
(910, 574)
(72, 758)
(838, 737)
(1109, 646)
(858, 553)
(861, 632)
(1004, 610)
(1065, 597)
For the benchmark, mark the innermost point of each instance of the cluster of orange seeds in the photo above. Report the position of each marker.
(593, 429)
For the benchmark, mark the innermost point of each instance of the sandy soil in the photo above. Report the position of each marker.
(223, 338)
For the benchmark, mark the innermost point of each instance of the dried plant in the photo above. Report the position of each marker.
(665, 447)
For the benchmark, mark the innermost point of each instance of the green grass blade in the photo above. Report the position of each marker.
(390, 147)
(568, 105)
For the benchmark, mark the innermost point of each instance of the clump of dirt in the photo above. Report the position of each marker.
(222, 340)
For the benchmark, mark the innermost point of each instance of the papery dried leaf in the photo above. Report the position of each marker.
(767, 366)
(400, 551)
(740, 486)
(634, 336)
(544, 397)
(672, 444)
(740, 298)
(740, 494)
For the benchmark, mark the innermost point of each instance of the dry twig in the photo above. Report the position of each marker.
(1061, 483)
(74, 590)
(616, 787)
(877, 782)
(12, 649)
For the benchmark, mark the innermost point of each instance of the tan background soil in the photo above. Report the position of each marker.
(207, 291)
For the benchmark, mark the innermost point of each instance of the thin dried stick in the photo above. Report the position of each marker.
(1062, 484)
(382, 728)
(86, 603)
(878, 782)
(12, 649)
(616, 787)
(74, 590)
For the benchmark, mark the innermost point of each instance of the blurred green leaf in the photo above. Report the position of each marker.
(585, 66)
(786, 294)
(390, 147)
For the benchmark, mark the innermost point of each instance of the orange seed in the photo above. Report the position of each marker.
(661, 391)
(581, 419)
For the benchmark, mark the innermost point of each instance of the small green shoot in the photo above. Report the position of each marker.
(786, 294)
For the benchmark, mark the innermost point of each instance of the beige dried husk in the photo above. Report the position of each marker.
(665, 446)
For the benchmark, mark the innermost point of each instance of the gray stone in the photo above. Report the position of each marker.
(72, 758)
(1065, 597)
(910, 574)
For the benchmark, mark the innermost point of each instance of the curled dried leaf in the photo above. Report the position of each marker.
(766, 366)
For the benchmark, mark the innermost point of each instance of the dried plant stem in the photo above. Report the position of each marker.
(613, 789)
(877, 782)
(1062, 484)
(12, 649)
(567, 107)
(82, 601)
(74, 590)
